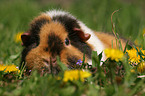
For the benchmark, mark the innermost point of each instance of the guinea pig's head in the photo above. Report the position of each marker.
(48, 39)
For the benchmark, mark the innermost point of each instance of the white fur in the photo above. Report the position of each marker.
(94, 41)
(53, 13)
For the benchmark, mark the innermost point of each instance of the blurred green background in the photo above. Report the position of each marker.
(15, 16)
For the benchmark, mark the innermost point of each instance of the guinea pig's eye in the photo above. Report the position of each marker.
(67, 42)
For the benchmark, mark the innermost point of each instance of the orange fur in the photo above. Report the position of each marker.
(109, 40)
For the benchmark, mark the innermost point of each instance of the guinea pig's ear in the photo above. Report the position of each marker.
(83, 36)
(25, 38)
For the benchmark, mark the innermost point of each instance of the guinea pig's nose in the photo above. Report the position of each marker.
(53, 61)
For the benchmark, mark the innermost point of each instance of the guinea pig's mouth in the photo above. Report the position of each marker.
(51, 66)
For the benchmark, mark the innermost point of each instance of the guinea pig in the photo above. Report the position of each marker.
(58, 33)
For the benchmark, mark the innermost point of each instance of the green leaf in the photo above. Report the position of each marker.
(62, 66)
(14, 57)
(96, 59)
(100, 56)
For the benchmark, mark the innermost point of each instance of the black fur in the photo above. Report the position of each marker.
(67, 21)
(83, 47)
(71, 23)
(55, 44)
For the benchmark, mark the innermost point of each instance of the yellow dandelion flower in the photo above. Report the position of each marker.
(141, 67)
(18, 37)
(133, 57)
(9, 68)
(114, 54)
(75, 75)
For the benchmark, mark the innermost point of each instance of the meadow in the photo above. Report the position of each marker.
(121, 77)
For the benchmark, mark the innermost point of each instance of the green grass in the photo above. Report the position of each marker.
(15, 16)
